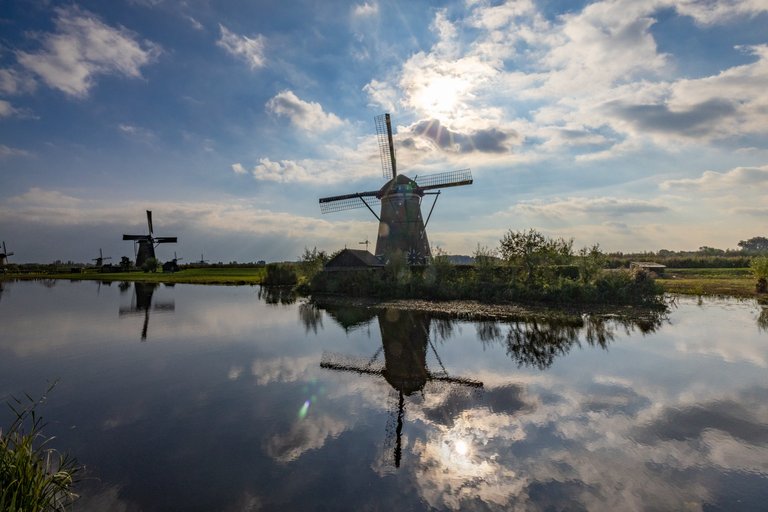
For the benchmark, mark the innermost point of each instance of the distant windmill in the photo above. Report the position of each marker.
(401, 227)
(202, 261)
(173, 265)
(405, 339)
(142, 303)
(4, 255)
(100, 260)
(147, 243)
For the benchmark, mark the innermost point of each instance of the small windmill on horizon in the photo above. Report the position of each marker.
(401, 226)
(4, 255)
(100, 260)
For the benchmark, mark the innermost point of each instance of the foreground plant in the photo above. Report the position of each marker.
(759, 267)
(33, 476)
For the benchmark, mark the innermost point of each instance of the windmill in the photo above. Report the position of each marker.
(401, 226)
(142, 303)
(202, 261)
(147, 243)
(173, 265)
(405, 339)
(4, 255)
(100, 260)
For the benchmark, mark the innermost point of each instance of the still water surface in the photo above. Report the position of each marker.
(229, 398)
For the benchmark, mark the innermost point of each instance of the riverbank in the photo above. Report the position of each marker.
(731, 282)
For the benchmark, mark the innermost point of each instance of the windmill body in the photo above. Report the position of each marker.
(99, 262)
(146, 243)
(402, 229)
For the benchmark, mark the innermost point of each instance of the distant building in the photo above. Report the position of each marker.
(352, 259)
(656, 268)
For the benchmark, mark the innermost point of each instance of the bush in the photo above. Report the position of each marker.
(280, 274)
(759, 267)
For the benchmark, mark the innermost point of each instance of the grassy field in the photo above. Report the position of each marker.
(735, 282)
(252, 275)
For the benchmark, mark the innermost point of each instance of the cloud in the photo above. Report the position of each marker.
(718, 11)
(13, 82)
(489, 140)
(604, 206)
(7, 151)
(381, 95)
(745, 177)
(365, 10)
(250, 50)
(308, 116)
(7, 110)
(239, 169)
(695, 120)
(83, 47)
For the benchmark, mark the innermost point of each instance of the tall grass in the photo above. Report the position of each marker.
(33, 476)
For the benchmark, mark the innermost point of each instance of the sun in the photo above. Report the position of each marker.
(440, 96)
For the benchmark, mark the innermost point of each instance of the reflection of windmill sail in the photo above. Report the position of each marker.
(142, 303)
(147, 243)
(405, 341)
(401, 226)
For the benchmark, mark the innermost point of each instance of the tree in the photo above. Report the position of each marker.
(591, 261)
(757, 244)
(759, 267)
(150, 265)
(534, 252)
(125, 263)
(312, 262)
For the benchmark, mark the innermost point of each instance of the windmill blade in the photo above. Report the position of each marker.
(386, 146)
(135, 237)
(349, 201)
(445, 179)
(149, 221)
(462, 381)
(166, 240)
(339, 362)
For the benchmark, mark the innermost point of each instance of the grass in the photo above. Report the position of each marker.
(734, 282)
(240, 275)
(33, 476)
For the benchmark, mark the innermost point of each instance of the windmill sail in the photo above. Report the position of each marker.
(146, 243)
(445, 179)
(386, 146)
(349, 201)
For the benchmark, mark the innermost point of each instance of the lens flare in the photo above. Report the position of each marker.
(461, 447)
(304, 409)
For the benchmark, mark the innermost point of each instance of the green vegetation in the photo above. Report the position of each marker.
(202, 275)
(734, 282)
(33, 477)
(532, 268)
(280, 274)
(759, 267)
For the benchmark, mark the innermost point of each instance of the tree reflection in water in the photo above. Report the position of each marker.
(277, 294)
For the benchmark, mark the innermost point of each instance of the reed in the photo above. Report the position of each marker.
(33, 476)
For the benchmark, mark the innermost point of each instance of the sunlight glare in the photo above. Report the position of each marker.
(462, 448)
(440, 96)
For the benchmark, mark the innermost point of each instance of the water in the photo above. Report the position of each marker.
(232, 399)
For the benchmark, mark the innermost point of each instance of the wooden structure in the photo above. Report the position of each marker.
(353, 259)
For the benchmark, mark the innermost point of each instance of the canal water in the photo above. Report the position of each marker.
(224, 398)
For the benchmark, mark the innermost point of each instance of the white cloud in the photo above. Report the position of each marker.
(13, 82)
(365, 10)
(248, 49)
(239, 169)
(83, 47)
(741, 177)
(6, 109)
(604, 206)
(308, 116)
(717, 11)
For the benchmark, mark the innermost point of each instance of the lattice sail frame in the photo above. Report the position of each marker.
(386, 148)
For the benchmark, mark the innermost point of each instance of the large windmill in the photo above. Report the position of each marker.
(4, 255)
(401, 226)
(405, 341)
(147, 243)
(100, 260)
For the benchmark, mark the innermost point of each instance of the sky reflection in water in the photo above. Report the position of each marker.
(233, 398)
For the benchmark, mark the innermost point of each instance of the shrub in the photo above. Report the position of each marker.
(280, 274)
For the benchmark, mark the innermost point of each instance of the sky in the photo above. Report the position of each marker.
(638, 125)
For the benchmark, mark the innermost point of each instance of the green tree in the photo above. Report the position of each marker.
(125, 263)
(312, 262)
(535, 253)
(591, 261)
(755, 245)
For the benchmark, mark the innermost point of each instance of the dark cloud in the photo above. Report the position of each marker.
(695, 121)
(491, 140)
(691, 422)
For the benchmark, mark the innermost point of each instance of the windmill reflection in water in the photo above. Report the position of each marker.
(406, 340)
(142, 303)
